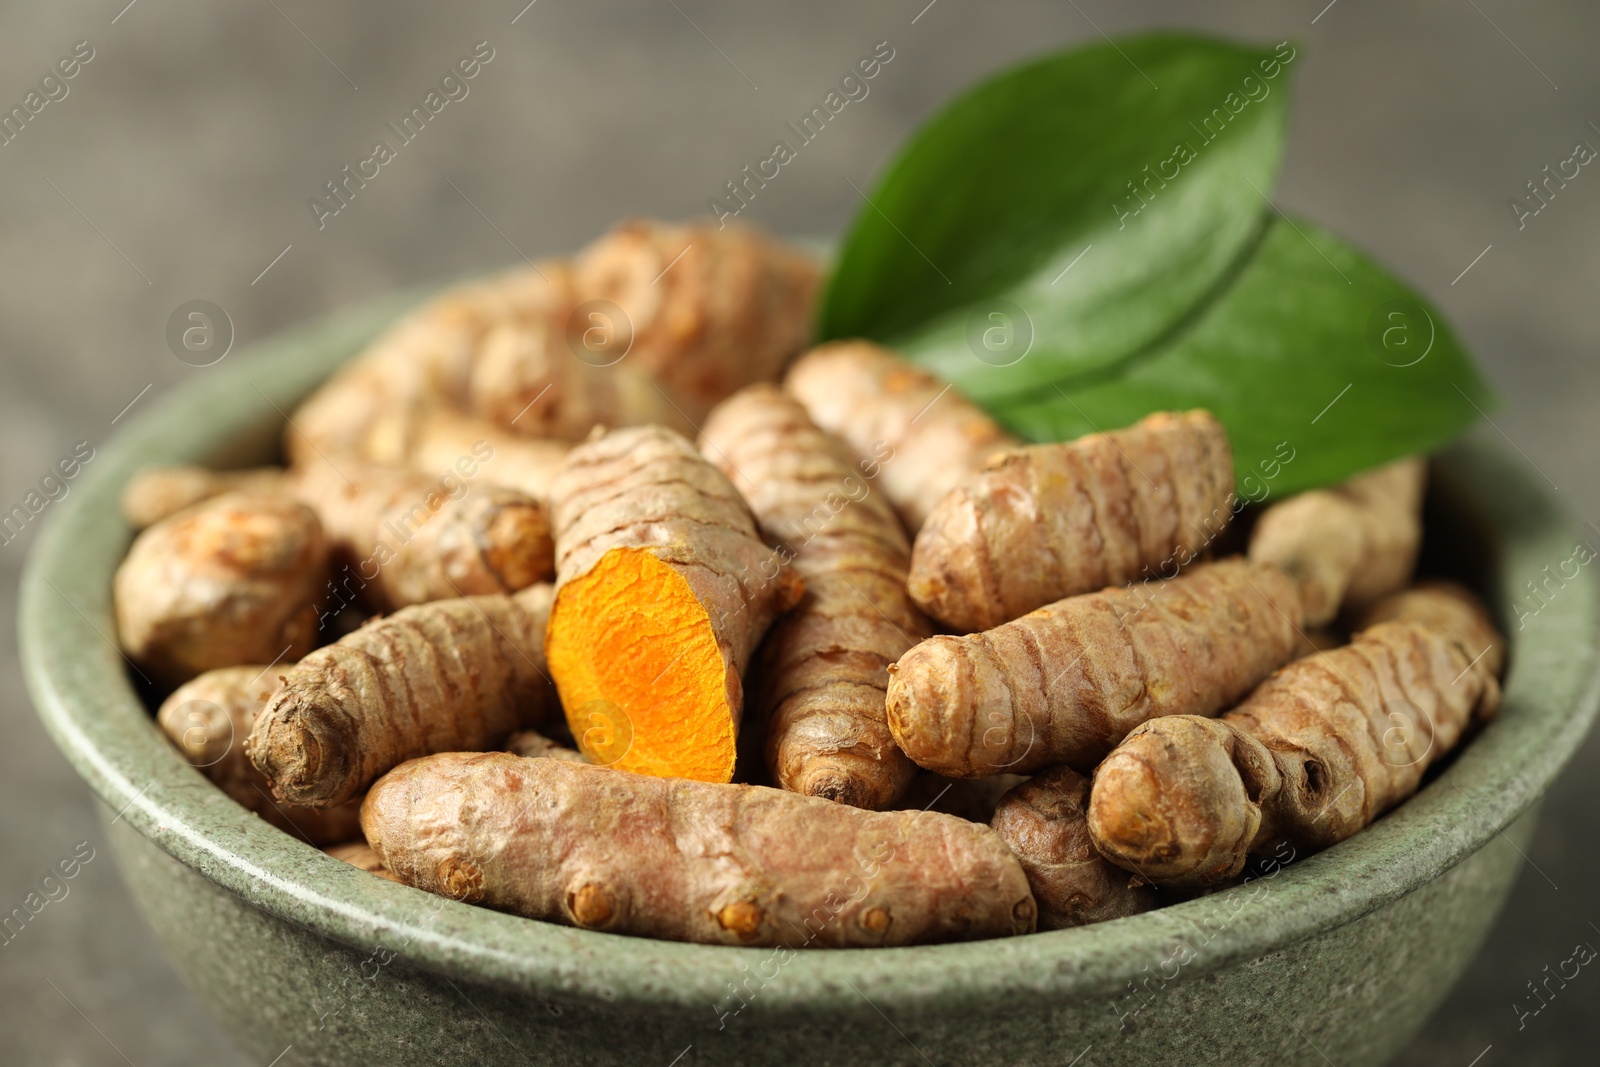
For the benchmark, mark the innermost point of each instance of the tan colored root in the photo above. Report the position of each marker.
(1065, 683)
(1350, 544)
(1174, 802)
(924, 436)
(663, 592)
(712, 308)
(1049, 521)
(1449, 610)
(229, 581)
(444, 440)
(453, 675)
(824, 666)
(535, 378)
(434, 437)
(208, 720)
(531, 744)
(411, 539)
(690, 861)
(648, 344)
(156, 492)
(1318, 751)
(1044, 820)
(366, 409)
(359, 854)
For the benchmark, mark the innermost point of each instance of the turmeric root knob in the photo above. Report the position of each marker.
(712, 308)
(1177, 801)
(591, 907)
(926, 437)
(156, 492)
(1065, 683)
(536, 378)
(229, 581)
(1049, 521)
(208, 720)
(663, 592)
(369, 409)
(693, 861)
(663, 321)
(1044, 822)
(1347, 545)
(1317, 752)
(438, 439)
(444, 676)
(416, 538)
(824, 666)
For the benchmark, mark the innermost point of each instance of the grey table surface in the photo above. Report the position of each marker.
(180, 162)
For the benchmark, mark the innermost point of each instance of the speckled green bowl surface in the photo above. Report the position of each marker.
(1338, 958)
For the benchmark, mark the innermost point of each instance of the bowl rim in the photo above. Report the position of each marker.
(83, 694)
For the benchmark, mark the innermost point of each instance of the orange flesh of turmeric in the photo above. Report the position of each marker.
(642, 678)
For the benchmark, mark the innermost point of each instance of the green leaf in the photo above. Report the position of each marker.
(1009, 250)
(1314, 349)
(1149, 157)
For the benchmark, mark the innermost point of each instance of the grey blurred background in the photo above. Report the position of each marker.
(180, 162)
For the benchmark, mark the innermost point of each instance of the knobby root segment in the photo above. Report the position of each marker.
(431, 436)
(608, 850)
(1447, 609)
(1348, 545)
(663, 592)
(1318, 751)
(453, 675)
(534, 378)
(370, 409)
(1065, 683)
(824, 666)
(926, 437)
(230, 581)
(444, 439)
(713, 308)
(1045, 821)
(208, 719)
(156, 492)
(661, 323)
(1043, 522)
(410, 538)
(440, 440)
(653, 323)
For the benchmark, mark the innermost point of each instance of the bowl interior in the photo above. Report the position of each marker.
(1490, 522)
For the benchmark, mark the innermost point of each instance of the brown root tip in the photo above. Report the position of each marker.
(520, 551)
(876, 920)
(591, 907)
(838, 786)
(1170, 806)
(741, 918)
(461, 880)
(1024, 916)
(302, 765)
(289, 756)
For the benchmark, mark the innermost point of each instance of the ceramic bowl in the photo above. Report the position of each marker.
(1337, 958)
